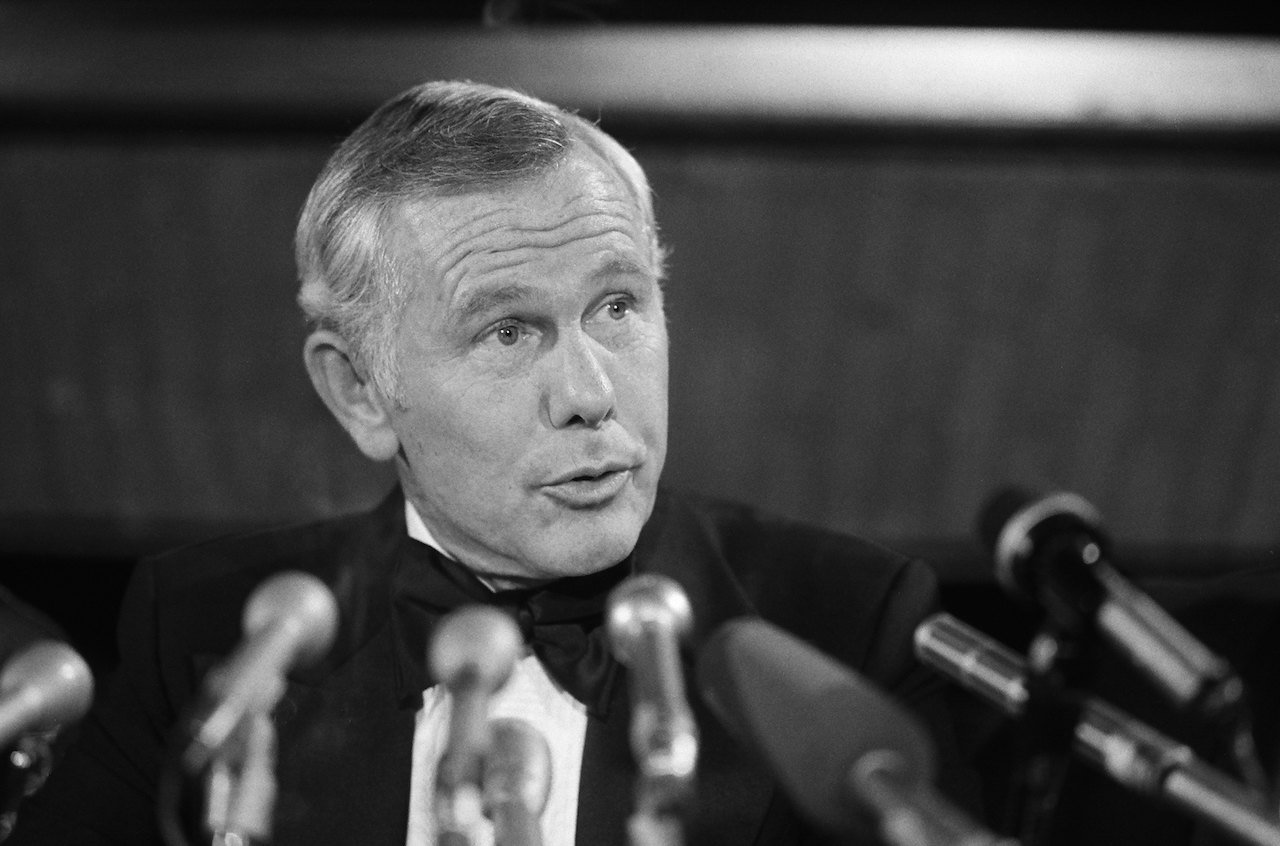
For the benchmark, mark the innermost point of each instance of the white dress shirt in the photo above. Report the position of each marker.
(531, 695)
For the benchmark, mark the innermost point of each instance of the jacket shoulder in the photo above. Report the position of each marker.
(195, 594)
(850, 596)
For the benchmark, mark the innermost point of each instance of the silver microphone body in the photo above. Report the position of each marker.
(647, 617)
(472, 653)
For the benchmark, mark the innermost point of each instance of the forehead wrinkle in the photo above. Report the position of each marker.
(497, 250)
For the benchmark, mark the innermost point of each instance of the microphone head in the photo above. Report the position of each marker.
(641, 604)
(53, 681)
(1013, 521)
(300, 604)
(517, 767)
(809, 718)
(474, 646)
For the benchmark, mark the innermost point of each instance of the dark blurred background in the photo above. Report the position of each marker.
(919, 251)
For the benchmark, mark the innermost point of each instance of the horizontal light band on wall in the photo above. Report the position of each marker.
(956, 78)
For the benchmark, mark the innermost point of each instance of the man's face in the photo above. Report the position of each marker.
(533, 372)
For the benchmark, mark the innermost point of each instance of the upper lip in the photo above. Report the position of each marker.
(590, 471)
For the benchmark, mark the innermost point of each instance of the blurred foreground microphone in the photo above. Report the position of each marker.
(1124, 748)
(289, 621)
(516, 782)
(647, 617)
(43, 686)
(1052, 550)
(472, 653)
(845, 754)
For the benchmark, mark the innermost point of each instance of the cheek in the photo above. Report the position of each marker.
(468, 429)
(648, 370)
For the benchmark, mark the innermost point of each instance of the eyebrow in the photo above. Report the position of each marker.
(621, 267)
(478, 303)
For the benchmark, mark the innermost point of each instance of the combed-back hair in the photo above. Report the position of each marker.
(436, 139)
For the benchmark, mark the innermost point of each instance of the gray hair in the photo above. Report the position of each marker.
(436, 139)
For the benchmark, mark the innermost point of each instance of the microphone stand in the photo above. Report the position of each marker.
(242, 788)
(1133, 754)
(232, 794)
(27, 763)
(1058, 659)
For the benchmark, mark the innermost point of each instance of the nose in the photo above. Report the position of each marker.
(579, 390)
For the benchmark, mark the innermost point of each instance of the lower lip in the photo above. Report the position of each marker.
(589, 493)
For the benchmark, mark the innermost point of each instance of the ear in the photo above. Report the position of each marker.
(350, 394)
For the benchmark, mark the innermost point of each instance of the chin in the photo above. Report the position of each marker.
(588, 546)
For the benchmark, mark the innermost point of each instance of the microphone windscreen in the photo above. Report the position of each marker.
(302, 607)
(644, 603)
(474, 646)
(43, 686)
(807, 716)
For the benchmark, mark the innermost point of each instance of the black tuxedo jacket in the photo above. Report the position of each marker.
(345, 736)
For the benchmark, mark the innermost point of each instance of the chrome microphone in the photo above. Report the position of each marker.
(43, 686)
(516, 782)
(289, 622)
(1134, 754)
(472, 653)
(647, 616)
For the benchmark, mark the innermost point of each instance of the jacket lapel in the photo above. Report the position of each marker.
(344, 735)
(346, 755)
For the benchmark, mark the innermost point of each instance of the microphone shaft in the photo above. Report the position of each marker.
(250, 682)
(516, 782)
(1149, 637)
(467, 728)
(514, 824)
(664, 738)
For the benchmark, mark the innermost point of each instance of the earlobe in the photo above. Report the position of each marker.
(350, 394)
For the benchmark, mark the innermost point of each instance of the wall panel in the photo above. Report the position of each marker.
(872, 337)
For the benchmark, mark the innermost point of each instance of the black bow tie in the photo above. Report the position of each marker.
(561, 621)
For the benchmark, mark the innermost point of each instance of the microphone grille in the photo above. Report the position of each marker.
(643, 603)
(475, 644)
(303, 604)
(56, 680)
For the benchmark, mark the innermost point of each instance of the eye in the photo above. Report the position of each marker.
(508, 332)
(508, 335)
(618, 309)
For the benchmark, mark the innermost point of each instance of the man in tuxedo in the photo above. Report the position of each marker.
(484, 276)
